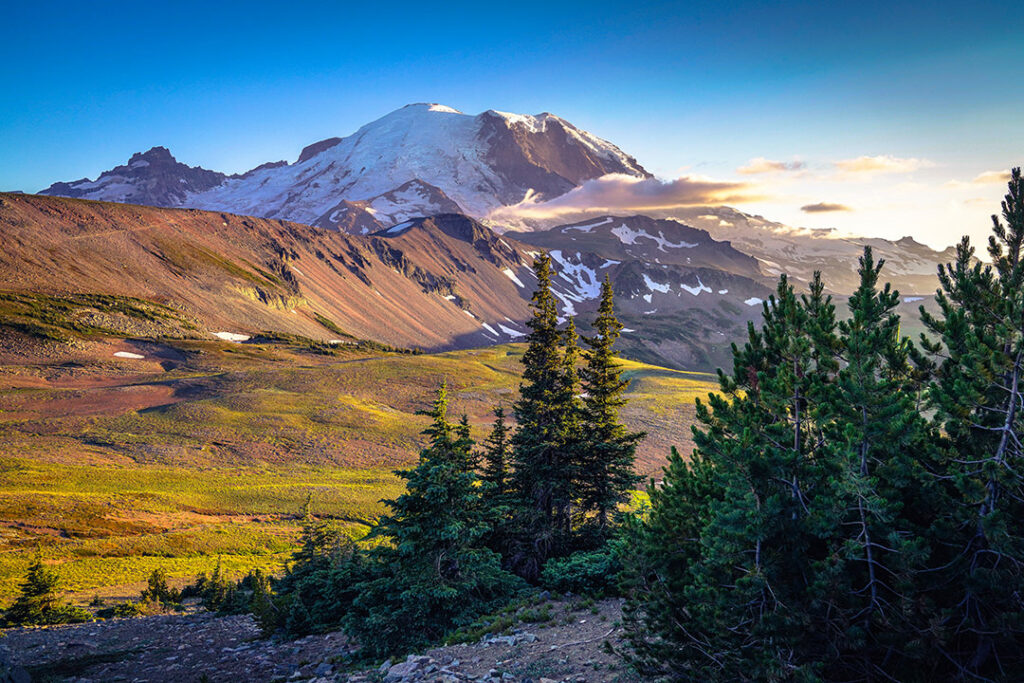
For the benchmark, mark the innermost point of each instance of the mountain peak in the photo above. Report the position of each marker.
(153, 154)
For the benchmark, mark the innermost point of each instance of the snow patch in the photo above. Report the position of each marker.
(754, 301)
(232, 336)
(513, 278)
(589, 226)
(128, 354)
(395, 229)
(701, 287)
(610, 262)
(723, 291)
(656, 286)
(628, 235)
(510, 332)
(912, 299)
(489, 329)
(583, 279)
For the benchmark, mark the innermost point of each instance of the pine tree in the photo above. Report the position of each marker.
(608, 449)
(434, 573)
(977, 394)
(882, 447)
(736, 596)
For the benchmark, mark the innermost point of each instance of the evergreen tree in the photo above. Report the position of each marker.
(497, 455)
(543, 469)
(608, 449)
(883, 446)
(977, 394)
(433, 574)
(38, 602)
(737, 597)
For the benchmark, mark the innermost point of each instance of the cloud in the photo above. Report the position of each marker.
(824, 207)
(617, 193)
(989, 177)
(762, 165)
(881, 164)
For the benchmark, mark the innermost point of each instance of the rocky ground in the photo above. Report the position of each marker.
(199, 646)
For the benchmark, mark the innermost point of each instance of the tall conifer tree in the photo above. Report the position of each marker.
(978, 395)
(542, 448)
(497, 454)
(608, 448)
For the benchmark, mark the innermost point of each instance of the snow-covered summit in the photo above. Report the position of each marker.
(479, 162)
(474, 163)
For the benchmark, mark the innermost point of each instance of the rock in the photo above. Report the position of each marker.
(384, 667)
(324, 669)
(11, 672)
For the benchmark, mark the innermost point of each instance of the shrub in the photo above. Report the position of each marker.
(593, 572)
(158, 591)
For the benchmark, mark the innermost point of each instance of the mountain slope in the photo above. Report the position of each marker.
(243, 275)
(798, 252)
(478, 162)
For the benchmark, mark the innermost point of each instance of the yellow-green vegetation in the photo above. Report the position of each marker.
(111, 526)
(114, 472)
(57, 317)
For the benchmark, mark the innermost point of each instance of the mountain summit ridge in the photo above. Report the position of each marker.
(478, 162)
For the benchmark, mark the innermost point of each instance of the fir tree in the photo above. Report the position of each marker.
(497, 455)
(608, 449)
(543, 469)
(433, 574)
(38, 602)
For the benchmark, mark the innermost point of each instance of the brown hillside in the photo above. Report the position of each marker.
(243, 275)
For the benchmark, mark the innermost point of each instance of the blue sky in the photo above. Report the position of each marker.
(686, 88)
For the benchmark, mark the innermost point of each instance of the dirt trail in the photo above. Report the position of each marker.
(201, 646)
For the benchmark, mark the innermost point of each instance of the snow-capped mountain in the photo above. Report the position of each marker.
(655, 241)
(153, 178)
(417, 160)
(798, 252)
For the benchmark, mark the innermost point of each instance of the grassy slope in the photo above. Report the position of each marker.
(114, 467)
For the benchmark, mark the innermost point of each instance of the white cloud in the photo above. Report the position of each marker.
(881, 164)
(992, 177)
(762, 165)
(616, 193)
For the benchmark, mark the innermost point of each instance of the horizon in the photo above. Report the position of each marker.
(890, 121)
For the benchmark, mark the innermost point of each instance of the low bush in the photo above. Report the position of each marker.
(592, 572)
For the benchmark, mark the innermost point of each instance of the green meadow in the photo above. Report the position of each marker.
(110, 471)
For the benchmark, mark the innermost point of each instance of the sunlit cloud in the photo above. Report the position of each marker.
(881, 164)
(986, 178)
(989, 177)
(762, 165)
(824, 207)
(617, 193)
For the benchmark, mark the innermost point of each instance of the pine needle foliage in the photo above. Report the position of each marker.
(852, 508)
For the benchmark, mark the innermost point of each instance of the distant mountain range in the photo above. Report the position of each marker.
(396, 251)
